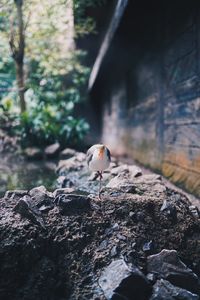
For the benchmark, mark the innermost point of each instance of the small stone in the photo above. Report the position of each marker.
(160, 188)
(151, 277)
(103, 245)
(148, 247)
(115, 227)
(33, 153)
(67, 153)
(67, 165)
(131, 214)
(140, 216)
(114, 251)
(61, 181)
(169, 209)
(62, 191)
(52, 150)
(133, 245)
(194, 211)
(121, 237)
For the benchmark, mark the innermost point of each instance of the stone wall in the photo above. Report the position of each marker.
(151, 111)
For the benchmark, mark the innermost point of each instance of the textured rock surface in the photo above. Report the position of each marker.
(164, 290)
(46, 254)
(118, 279)
(167, 264)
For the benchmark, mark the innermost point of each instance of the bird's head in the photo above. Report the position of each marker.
(101, 151)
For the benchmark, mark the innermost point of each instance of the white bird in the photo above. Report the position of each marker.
(98, 159)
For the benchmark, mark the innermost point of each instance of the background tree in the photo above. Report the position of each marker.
(47, 70)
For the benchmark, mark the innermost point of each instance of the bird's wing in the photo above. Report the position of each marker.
(108, 154)
(89, 155)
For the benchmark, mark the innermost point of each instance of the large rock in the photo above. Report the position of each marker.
(164, 290)
(167, 265)
(118, 281)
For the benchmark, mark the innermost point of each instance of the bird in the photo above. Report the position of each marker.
(98, 159)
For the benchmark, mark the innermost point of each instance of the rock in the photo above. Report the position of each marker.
(115, 227)
(163, 290)
(114, 251)
(15, 194)
(62, 191)
(194, 211)
(119, 280)
(80, 157)
(23, 207)
(72, 203)
(160, 188)
(120, 169)
(149, 178)
(167, 265)
(125, 175)
(50, 165)
(33, 153)
(52, 150)
(61, 181)
(67, 164)
(132, 171)
(67, 153)
(103, 245)
(151, 277)
(148, 247)
(40, 194)
(116, 182)
(169, 209)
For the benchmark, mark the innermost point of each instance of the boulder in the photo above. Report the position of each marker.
(167, 265)
(52, 151)
(118, 281)
(163, 290)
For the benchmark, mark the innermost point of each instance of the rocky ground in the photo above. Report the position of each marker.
(140, 241)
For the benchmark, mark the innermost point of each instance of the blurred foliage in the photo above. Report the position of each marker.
(55, 75)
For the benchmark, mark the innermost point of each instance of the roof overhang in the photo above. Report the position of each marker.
(115, 21)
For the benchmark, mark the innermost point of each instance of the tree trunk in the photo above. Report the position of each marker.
(17, 45)
(20, 84)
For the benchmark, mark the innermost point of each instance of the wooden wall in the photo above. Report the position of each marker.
(152, 110)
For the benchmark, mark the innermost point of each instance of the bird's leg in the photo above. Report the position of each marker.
(100, 182)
